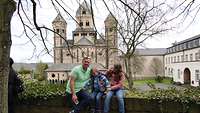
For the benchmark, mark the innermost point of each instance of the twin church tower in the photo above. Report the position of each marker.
(84, 42)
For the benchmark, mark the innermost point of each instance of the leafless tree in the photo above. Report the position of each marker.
(156, 67)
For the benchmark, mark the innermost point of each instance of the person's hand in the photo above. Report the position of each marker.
(74, 98)
(109, 88)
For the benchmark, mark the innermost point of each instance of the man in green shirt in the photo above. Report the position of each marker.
(78, 77)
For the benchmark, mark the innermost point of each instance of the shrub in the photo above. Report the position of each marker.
(159, 79)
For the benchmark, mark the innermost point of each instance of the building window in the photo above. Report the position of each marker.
(191, 57)
(76, 34)
(196, 56)
(179, 74)
(83, 54)
(196, 42)
(83, 34)
(57, 30)
(91, 34)
(182, 58)
(197, 74)
(83, 12)
(182, 46)
(92, 55)
(81, 24)
(172, 71)
(171, 59)
(191, 44)
(186, 45)
(186, 57)
(63, 31)
(174, 59)
(111, 29)
(178, 59)
(87, 23)
(53, 75)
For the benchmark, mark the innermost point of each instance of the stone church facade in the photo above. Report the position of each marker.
(68, 52)
(84, 40)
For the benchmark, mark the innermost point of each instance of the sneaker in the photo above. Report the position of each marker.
(72, 111)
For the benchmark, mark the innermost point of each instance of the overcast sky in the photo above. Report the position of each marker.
(23, 51)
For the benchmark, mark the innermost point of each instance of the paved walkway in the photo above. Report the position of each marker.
(145, 87)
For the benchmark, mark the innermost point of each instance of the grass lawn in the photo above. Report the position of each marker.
(140, 82)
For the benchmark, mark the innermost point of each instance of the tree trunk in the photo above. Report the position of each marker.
(128, 70)
(7, 7)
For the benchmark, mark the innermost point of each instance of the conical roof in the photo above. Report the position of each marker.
(59, 18)
(84, 6)
(110, 17)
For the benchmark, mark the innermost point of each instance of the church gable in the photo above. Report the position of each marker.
(84, 41)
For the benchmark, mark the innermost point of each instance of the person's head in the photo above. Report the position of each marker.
(117, 68)
(117, 71)
(11, 61)
(86, 62)
(94, 71)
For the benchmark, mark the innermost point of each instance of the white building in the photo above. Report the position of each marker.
(182, 61)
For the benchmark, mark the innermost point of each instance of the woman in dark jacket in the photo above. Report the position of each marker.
(11, 87)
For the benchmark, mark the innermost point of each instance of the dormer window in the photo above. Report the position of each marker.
(87, 23)
(83, 12)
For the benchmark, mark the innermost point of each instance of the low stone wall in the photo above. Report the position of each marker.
(133, 105)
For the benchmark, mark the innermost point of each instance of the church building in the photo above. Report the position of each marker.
(85, 41)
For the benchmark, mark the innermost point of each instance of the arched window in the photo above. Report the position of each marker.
(83, 54)
(53, 75)
(81, 24)
(92, 54)
(87, 23)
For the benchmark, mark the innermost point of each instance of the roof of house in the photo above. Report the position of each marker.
(151, 51)
(27, 66)
(69, 66)
(59, 18)
(186, 40)
(84, 6)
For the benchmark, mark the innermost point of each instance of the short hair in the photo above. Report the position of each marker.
(86, 57)
(11, 61)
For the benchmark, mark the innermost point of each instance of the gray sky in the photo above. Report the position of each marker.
(21, 51)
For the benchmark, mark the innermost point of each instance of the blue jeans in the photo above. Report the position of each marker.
(96, 96)
(120, 96)
(84, 100)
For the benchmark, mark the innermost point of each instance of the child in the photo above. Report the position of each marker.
(99, 85)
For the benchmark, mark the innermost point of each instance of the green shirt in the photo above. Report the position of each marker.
(81, 76)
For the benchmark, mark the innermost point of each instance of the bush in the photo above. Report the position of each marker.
(159, 79)
(41, 90)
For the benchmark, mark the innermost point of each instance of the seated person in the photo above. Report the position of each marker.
(98, 85)
(116, 77)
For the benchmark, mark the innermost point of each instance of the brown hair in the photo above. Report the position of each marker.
(117, 71)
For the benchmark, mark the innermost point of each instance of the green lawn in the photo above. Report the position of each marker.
(140, 82)
(144, 81)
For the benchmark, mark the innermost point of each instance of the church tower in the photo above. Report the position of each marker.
(111, 40)
(59, 26)
(111, 31)
(85, 26)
